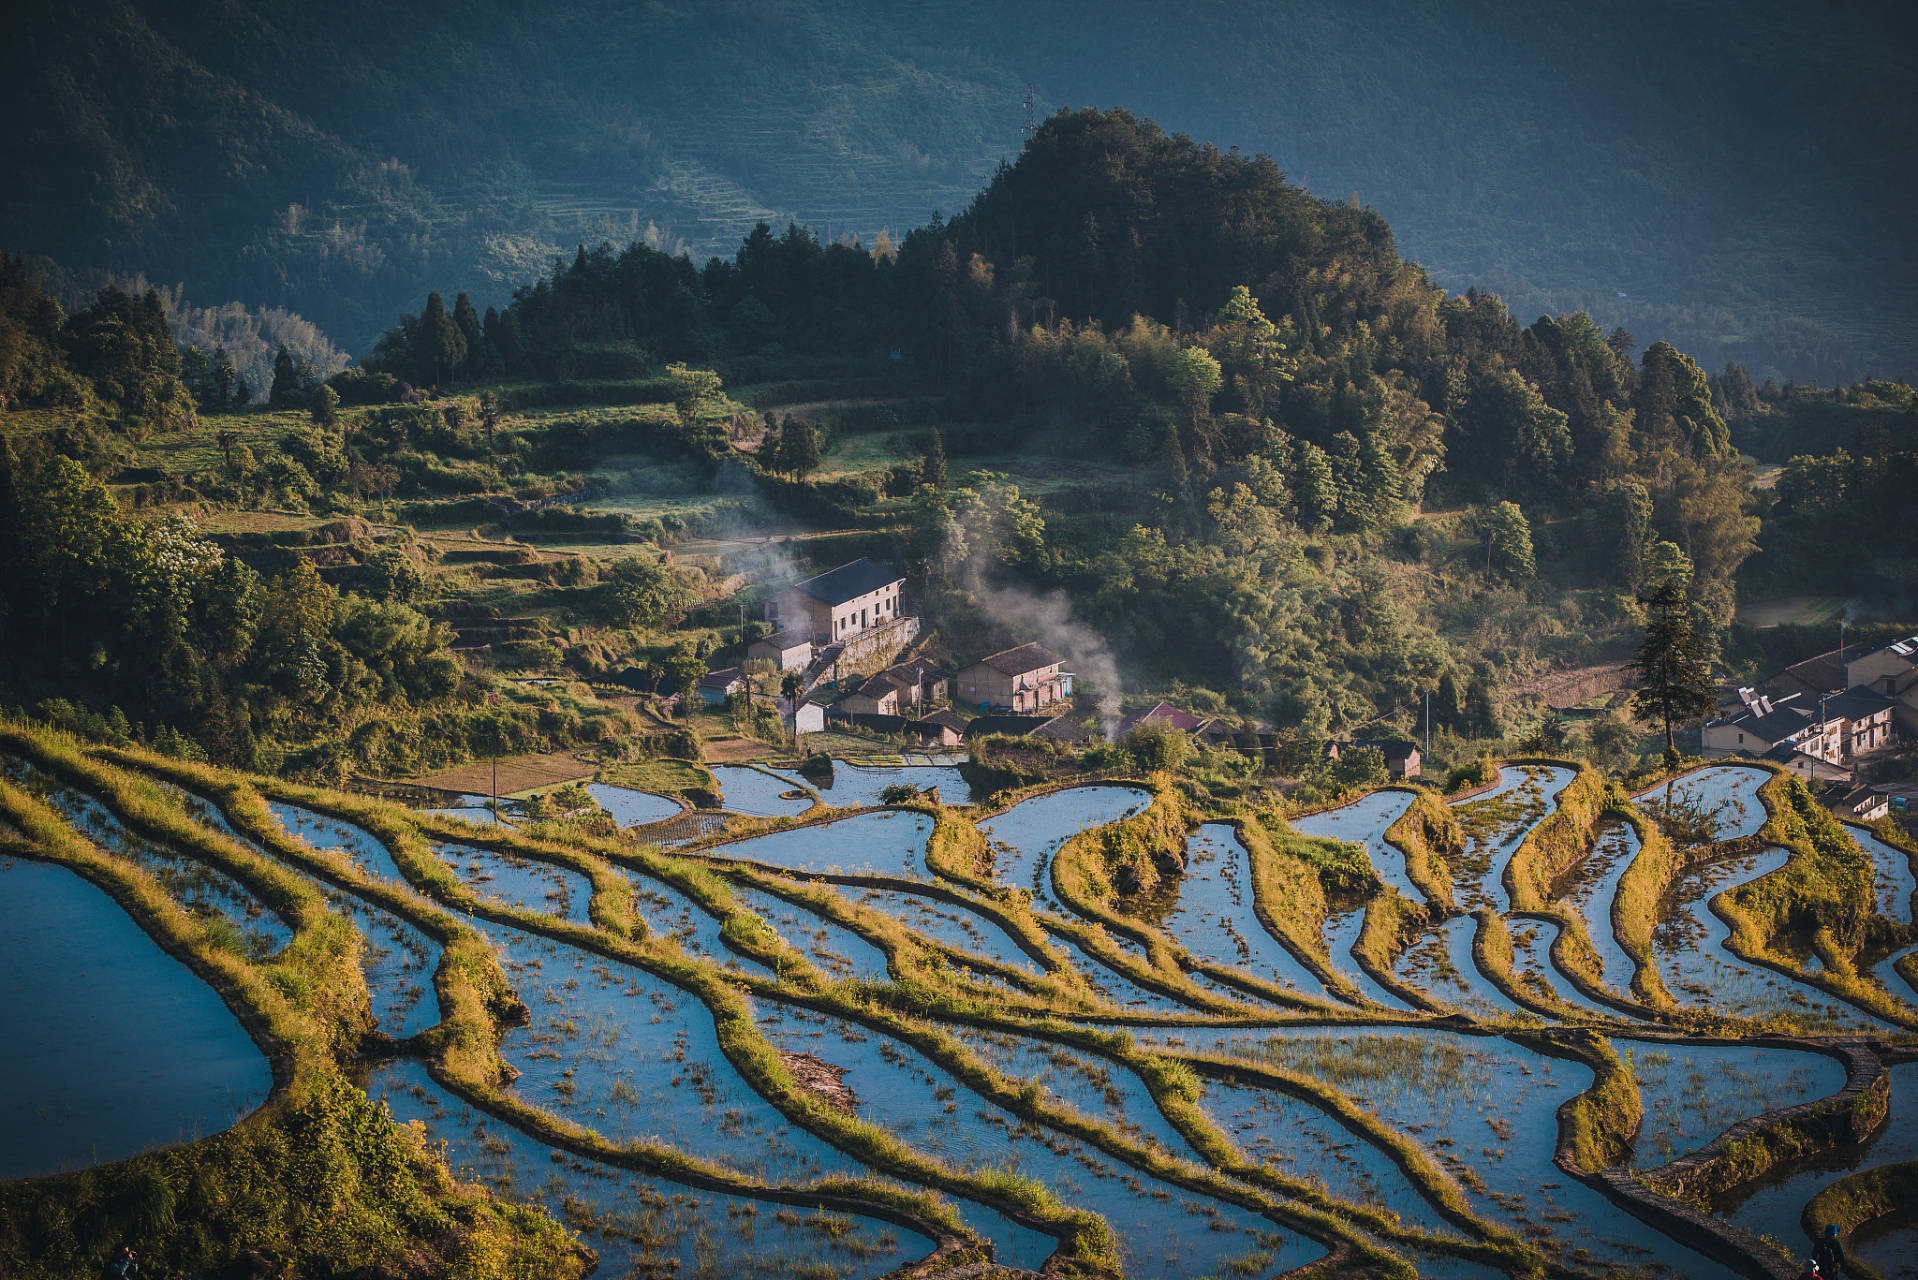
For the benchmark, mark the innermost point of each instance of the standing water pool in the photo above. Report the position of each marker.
(114, 1046)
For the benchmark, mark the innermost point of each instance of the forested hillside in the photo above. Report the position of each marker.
(1286, 392)
(1734, 179)
(1139, 390)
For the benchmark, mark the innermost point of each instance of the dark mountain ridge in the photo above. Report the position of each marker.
(1734, 178)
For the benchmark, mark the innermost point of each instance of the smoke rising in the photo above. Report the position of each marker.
(1048, 619)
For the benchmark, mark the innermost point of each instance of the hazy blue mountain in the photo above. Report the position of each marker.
(1734, 177)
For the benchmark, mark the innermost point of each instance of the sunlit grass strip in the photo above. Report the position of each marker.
(1425, 1174)
(1026, 1098)
(473, 991)
(1824, 891)
(1597, 1127)
(1289, 899)
(958, 850)
(857, 1001)
(1085, 1235)
(1430, 838)
(1769, 1141)
(611, 905)
(1859, 1198)
(1492, 954)
(1638, 900)
(1392, 923)
(318, 1169)
(321, 960)
(1172, 1079)
(1558, 842)
(1083, 872)
(1552, 849)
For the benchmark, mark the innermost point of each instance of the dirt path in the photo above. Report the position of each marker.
(516, 774)
(1569, 688)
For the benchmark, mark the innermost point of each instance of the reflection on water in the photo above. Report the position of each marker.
(639, 1225)
(113, 1046)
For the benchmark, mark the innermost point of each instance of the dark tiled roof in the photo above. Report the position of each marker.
(1014, 726)
(1061, 729)
(1822, 674)
(1857, 703)
(1160, 713)
(850, 581)
(1786, 717)
(1390, 748)
(785, 639)
(1016, 662)
(947, 718)
(722, 678)
(880, 685)
(1849, 794)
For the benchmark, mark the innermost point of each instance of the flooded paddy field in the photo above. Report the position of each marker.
(640, 1225)
(760, 794)
(1719, 802)
(1592, 885)
(1024, 837)
(631, 808)
(658, 1036)
(515, 881)
(1363, 823)
(886, 842)
(1215, 918)
(114, 1046)
(1163, 1229)
(851, 786)
(1772, 1207)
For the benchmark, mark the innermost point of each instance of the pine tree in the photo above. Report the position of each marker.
(802, 450)
(286, 381)
(438, 346)
(1674, 674)
(467, 321)
(1316, 488)
(1445, 702)
(224, 375)
(932, 471)
(1508, 543)
(326, 407)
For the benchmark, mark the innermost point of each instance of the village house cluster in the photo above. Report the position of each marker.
(840, 636)
(1825, 718)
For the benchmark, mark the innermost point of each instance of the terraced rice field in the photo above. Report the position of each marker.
(923, 1036)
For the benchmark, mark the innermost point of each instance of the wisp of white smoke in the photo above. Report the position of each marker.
(1048, 619)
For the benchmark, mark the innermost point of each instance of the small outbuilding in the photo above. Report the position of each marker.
(716, 687)
(786, 650)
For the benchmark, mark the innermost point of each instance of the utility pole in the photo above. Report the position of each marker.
(1032, 117)
(1428, 722)
(492, 699)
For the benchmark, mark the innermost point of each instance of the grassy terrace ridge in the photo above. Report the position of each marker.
(933, 992)
(1289, 896)
(608, 916)
(1550, 852)
(1828, 883)
(462, 1050)
(318, 1175)
(1085, 1240)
